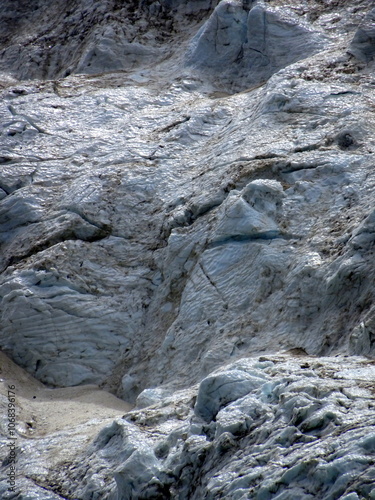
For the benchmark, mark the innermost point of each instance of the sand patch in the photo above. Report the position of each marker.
(41, 411)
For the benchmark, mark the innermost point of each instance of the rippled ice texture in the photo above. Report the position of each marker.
(188, 187)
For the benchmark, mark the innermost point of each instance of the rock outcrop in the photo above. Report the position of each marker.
(95, 36)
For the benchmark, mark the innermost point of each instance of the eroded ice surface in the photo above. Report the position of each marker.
(186, 187)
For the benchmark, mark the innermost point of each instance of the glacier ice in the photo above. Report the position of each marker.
(187, 221)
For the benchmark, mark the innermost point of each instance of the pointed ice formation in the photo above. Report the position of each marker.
(248, 46)
(363, 43)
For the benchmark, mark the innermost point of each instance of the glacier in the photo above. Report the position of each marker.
(186, 248)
